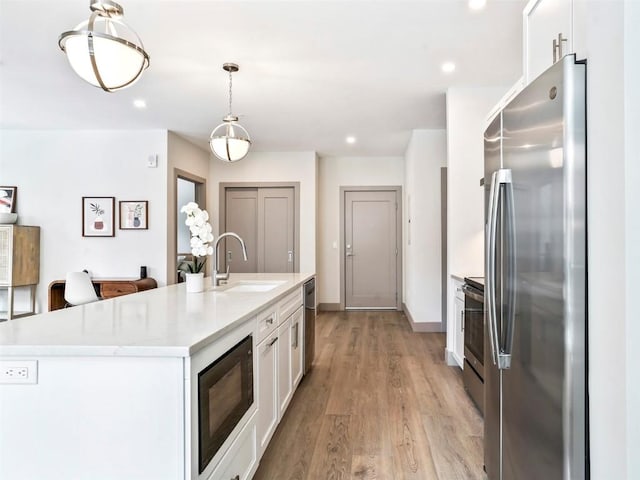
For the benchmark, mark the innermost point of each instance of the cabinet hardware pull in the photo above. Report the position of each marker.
(270, 320)
(237, 477)
(557, 47)
(272, 342)
(462, 322)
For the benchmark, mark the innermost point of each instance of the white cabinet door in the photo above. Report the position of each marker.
(284, 365)
(268, 407)
(458, 344)
(297, 342)
(543, 20)
(240, 461)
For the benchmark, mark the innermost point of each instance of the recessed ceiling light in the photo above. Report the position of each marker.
(139, 103)
(350, 139)
(448, 67)
(477, 4)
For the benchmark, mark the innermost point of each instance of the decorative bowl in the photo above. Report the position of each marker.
(8, 217)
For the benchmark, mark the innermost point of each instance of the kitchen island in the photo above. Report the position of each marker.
(110, 389)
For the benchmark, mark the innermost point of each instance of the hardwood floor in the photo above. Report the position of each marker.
(379, 403)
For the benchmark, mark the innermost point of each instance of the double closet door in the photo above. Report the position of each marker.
(264, 218)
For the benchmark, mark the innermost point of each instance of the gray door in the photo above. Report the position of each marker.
(241, 217)
(275, 230)
(371, 249)
(264, 218)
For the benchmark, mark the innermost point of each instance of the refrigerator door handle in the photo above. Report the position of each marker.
(505, 352)
(503, 177)
(491, 267)
(501, 356)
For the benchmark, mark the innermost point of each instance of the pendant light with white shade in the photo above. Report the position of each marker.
(104, 50)
(230, 141)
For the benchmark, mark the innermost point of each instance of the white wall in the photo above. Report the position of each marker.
(185, 156)
(599, 27)
(425, 155)
(467, 110)
(274, 167)
(333, 173)
(632, 177)
(53, 170)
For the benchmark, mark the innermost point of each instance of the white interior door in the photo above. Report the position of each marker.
(371, 249)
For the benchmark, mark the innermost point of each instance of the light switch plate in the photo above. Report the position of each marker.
(152, 161)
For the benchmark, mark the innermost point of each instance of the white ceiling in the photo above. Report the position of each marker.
(311, 72)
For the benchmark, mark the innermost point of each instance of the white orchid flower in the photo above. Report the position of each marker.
(189, 207)
(201, 234)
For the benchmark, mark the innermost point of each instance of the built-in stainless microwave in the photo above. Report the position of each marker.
(225, 394)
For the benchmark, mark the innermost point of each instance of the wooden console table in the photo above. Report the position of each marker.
(105, 288)
(19, 265)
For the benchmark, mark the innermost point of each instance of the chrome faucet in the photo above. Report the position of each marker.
(216, 277)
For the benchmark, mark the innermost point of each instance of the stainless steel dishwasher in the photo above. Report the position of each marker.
(309, 323)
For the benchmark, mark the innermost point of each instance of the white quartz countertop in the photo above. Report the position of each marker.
(165, 321)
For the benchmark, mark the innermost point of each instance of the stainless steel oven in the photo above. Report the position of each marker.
(225, 394)
(473, 372)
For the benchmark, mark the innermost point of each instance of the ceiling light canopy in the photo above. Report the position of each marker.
(477, 4)
(230, 141)
(104, 50)
(350, 139)
(448, 67)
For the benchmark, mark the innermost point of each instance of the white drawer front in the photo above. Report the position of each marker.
(267, 322)
(239, 461)
(458, 290)
(289, 304)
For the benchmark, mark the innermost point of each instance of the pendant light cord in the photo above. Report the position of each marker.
(230, 84)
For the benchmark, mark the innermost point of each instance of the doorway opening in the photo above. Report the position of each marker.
(188, 188)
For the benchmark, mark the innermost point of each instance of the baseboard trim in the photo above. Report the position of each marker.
(450, 358)
(421, 327)
(329, 307)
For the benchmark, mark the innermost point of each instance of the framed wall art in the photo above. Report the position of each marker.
(134, 215)
(98, 216)
(8, 199)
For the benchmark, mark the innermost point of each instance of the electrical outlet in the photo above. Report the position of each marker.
(18, 371)
(152, 161)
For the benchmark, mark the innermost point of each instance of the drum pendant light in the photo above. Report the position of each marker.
(230, 141)
(104, 50)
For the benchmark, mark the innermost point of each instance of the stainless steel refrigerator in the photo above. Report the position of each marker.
(536, 276)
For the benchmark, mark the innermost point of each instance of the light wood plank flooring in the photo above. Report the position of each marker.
(380, 403)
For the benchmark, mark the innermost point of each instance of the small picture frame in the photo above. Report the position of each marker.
(98, 216)
(8, 197)
(134, 215)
